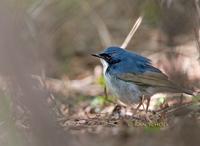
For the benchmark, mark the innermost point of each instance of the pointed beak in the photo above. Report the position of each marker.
(97, 55)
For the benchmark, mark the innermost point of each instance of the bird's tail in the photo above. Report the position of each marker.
(187, 91)
(181, 89)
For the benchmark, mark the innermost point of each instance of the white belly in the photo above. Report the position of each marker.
(126, 92)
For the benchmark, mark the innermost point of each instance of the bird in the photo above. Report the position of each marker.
(132, 77)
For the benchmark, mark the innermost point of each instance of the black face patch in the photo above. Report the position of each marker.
(106, 57)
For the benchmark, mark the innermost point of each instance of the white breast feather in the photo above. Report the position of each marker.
(105, 66)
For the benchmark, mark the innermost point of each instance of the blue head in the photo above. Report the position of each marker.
(111, 55)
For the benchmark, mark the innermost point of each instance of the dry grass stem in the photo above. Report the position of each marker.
(132, 32)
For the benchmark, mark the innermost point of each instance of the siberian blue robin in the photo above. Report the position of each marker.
(130, 76)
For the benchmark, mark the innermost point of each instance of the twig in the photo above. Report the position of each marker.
(175, 108)
(102, 29)
(197, 7)
(132, 32)
(196, 28)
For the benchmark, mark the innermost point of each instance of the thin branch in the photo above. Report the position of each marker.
(197, 8)
(132, 32)
(102, 29)
(196, 33)
(196, 28)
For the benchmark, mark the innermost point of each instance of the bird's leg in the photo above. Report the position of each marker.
(148, 102)
(146, 115)
(141, 103)
(105, 92)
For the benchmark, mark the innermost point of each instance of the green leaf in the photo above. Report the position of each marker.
(101, 81)
(98, 101)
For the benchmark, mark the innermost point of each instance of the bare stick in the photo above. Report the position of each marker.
(196, 28)
(104, 34)
(102, 29)
(132, 32)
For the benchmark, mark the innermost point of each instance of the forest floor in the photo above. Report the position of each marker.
(92, 115)
(177, 124)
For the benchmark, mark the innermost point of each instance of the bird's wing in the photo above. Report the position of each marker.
(147, 79)
(156, 79)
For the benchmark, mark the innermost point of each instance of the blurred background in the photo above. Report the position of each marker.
(48, 77)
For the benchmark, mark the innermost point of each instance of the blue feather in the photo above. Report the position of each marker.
(130, 62)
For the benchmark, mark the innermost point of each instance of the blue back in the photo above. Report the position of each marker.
(130, 62)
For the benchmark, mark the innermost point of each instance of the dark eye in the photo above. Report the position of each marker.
(106, 56)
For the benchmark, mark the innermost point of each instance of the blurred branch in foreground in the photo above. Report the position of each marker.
(197, 26)
(19, 57)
